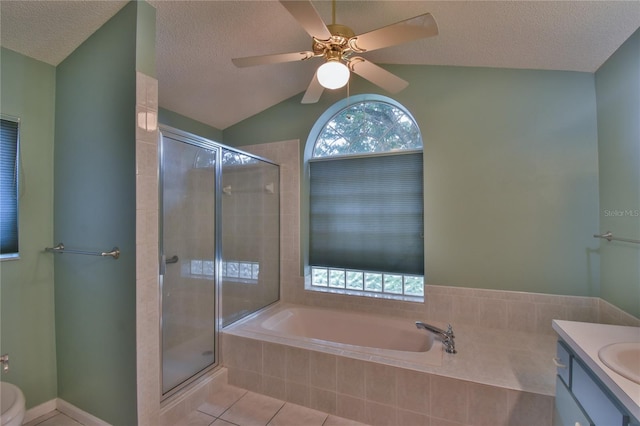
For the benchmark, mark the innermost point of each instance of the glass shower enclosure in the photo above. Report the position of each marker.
(219, 248)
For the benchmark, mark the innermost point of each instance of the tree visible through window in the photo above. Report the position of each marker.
(366, 202)
(366, 128)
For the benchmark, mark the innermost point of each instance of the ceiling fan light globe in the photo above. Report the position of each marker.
(333, 75)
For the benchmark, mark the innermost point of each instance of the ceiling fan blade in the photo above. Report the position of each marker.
(314, 91)
(377, 75)
(250, 61)
(308, 17)
(415, 28)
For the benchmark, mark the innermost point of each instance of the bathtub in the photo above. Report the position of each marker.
(356, 335)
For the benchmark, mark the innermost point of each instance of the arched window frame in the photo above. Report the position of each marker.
(309, 270)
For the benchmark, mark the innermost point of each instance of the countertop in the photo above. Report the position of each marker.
(586, 339)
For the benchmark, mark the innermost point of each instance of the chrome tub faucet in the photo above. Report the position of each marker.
(446, 336)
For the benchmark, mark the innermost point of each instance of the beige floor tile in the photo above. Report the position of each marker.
(297, 415)
(339, 421)
(252, 410)
(196, 418)
(218, 402)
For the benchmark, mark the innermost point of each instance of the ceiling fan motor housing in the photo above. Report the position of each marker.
(338, 45)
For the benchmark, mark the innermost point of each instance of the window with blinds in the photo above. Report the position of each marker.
(8, 188)
(366, 202)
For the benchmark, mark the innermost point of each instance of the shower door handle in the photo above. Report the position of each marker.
(164, 262)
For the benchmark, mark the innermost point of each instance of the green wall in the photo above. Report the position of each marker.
(95, 209)
(511, 172)
(27, 312)
(618, 95)
(186, 124)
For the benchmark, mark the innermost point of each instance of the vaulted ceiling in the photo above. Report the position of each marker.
(196, 41)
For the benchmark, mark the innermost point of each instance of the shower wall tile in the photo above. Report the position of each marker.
(146, 158)
(297, 365)
(351, 408)
(488, 405)
(406, 417)
(380, 383)
(241, 353)
(323, 400)
(492, 312)
(522, 315)
(287, 155)
(274, 387)
(273, 360)
(377, 414)
(249, 380)
(322, 370)
(413, 390)
(525, 409)
(350, 373)
(146, 91)
(147, 262)
(147, 192)
(146, 124)
(449, 399)
(297, 393)
(147, 297)
(146, 226)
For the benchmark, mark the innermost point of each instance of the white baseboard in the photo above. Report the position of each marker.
(78, 414)
(65, 408)
(39, 410)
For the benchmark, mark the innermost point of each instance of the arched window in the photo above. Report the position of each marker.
(366, 200)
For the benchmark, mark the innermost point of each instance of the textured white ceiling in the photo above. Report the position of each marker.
(197, 39)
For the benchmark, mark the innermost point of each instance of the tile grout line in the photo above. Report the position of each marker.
(229, 407)
(276, 413)
(325, 419)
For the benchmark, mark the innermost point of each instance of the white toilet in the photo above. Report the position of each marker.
(13, 405)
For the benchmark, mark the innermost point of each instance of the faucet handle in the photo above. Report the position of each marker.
(450, 331)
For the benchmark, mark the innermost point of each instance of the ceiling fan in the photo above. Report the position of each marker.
(339, 47)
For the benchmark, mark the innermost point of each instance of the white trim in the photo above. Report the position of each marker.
(65, 408)
(78, 414)
(39, 410)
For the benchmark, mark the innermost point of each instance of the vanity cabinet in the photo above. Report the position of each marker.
(581, 398)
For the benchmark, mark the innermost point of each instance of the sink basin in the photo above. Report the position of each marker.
(623, 358)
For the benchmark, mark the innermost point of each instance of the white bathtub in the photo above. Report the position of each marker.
(363, 336)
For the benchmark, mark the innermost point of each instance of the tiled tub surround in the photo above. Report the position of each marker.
(498, 377)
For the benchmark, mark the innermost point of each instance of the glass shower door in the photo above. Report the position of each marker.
(250, 271)
(188, 254)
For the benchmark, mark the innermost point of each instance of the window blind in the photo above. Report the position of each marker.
(8, 187)
(366, 213)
